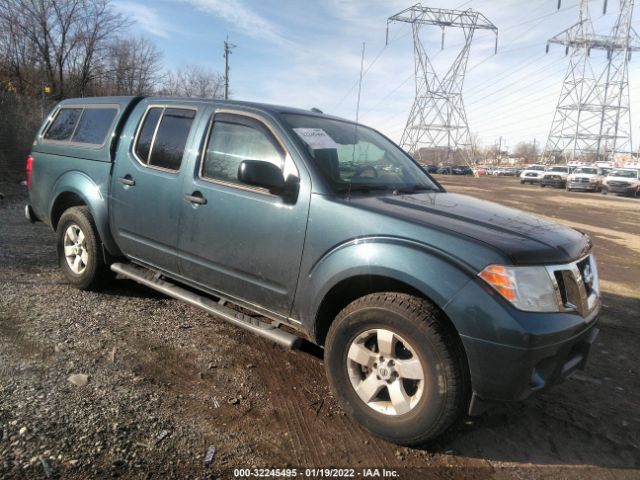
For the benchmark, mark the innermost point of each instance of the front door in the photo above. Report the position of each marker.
(242, 241)
(147, 186)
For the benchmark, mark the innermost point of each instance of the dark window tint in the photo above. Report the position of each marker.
(171, 138)
(94, 125)
(64, 124)
(230, 144)
(143, 147)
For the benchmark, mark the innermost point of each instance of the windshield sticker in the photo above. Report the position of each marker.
(316, 138)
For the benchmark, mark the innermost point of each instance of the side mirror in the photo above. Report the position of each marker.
(265, 175)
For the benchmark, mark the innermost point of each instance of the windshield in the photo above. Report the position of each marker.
(536, 167)
(356, 158)
(624, 173)
(557, 169)
(591, 171)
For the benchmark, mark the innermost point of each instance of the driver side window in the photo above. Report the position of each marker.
(231, 143)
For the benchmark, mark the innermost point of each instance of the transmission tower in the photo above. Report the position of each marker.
(592, 120)
(438, 119)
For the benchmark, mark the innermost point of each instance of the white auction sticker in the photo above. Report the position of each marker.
(316, 138)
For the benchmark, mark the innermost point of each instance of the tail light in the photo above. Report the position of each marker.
(29, 170)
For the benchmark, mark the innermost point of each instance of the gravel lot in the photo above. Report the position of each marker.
(167, 382)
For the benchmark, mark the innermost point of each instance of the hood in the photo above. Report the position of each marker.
(524, 238)
(621, 179)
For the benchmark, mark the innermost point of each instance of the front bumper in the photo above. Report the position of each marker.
(583, 186)
(510, 373)
(626, 190)
(553, 182)
(510, 353)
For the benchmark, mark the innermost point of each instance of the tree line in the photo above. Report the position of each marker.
(72, 48)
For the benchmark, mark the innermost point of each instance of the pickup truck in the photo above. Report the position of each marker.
(555, 176)
(622, 180)
(298, 225)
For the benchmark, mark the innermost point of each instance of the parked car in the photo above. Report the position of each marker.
(428, 304)
(532, 174)
(461, 170)
(429, 168)
(585, 178)
(555, 176)
(444, 171)
(622, 180)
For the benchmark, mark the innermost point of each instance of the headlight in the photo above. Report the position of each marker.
(527, 288)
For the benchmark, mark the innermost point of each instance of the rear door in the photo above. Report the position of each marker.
(239, 240)
(147, 180)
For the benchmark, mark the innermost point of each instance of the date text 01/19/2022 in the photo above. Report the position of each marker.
(314, 473)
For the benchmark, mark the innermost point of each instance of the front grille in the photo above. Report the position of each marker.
(553, 177)
(618, 184)
(577, 285)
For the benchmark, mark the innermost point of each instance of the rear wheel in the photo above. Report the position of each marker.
(79, 249)
(396, 367)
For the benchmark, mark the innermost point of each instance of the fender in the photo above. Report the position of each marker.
(91, 194)
(434, 273)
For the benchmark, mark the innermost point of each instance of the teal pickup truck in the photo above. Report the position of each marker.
(428, 304)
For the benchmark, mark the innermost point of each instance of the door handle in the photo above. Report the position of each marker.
(127, 180)
(196, 197)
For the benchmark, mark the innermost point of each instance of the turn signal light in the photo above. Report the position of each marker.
(499, 278)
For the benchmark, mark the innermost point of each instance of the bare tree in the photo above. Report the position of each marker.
(57, 39)
(133, 67)
(526, 150)
(194, 81)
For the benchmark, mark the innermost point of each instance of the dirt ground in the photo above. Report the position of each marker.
(168, 382)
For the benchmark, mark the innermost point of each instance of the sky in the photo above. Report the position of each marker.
(307, 53)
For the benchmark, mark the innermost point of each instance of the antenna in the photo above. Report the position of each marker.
(360, 82)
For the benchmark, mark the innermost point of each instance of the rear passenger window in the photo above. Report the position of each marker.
(163, 137)
(94, 125)
(145, 137)
(64, 124)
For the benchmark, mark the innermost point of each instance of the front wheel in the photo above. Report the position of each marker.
(396, 367)
(80, 250)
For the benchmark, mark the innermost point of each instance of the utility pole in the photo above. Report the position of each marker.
(227, 51)
(593, 114)
(499, 153)
(438, 119)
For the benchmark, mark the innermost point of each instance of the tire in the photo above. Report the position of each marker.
(415, 332)
(79, 248)
(542, 185)
(521, 182)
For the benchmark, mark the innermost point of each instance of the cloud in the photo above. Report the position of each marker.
(145, 17)
(243, 19)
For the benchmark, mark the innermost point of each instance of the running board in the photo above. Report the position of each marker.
(152, 279)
